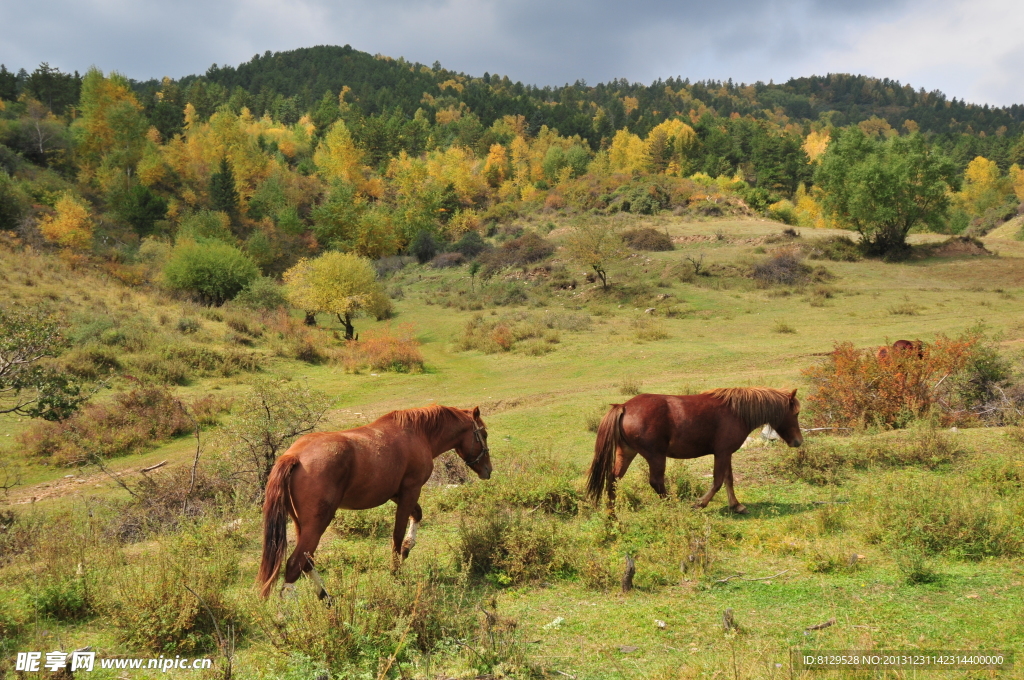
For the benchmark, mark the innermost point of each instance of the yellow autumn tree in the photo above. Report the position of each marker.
(816, 143)
(628, 153)
(983, 187)
(1017, 181)
(343, 284)
(70, 226)
(668, 145)
(338, 158)
(496, 167)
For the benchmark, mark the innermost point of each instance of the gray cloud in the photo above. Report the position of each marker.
(953, 45)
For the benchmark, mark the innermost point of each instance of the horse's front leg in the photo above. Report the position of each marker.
(734, 503)
(721, 463)
(408, 506)
(410, 534)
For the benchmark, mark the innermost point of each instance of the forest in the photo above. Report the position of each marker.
(323, 148)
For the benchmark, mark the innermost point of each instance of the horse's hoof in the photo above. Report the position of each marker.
(699, 506)
(740, 509)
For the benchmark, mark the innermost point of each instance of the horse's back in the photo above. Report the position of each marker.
(362, 467)
(679, 426)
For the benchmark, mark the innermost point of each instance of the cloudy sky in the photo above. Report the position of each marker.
(970, 49)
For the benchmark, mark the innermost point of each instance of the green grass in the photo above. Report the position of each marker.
(713, 331)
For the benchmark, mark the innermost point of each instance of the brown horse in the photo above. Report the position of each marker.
(901, 346)
(389, 459)
(660, 426)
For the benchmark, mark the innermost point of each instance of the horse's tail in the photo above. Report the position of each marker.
(276, 507)
(602, 469)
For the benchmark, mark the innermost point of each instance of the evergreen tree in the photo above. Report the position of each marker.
(223, 195)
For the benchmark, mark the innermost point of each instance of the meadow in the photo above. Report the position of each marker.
(905, 538)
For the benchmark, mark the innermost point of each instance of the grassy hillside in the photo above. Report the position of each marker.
(518, 576)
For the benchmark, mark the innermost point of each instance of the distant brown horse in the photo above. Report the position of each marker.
(902, 346)
(660, 426)
(389, 459)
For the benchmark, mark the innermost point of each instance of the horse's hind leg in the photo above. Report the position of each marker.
(657, 474)
(623, 457)
(306, 541)
(721, 465)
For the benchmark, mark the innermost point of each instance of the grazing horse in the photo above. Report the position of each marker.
(389, 459)
(660, 426)
(901, 346)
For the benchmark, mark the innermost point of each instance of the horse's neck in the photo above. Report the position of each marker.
(447, 440)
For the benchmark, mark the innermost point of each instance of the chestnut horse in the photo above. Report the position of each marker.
(389, 459)
(660, 426)
(914, 346)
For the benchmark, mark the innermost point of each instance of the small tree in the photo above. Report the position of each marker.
(27, 386)
(596, 244)
(884, 188)
(337, 283)
(270, 418)
(212, 271)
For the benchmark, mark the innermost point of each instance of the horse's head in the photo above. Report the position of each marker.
(789, 427)
(473, 449)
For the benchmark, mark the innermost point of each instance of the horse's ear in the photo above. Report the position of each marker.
(476, 411)
(792, 397)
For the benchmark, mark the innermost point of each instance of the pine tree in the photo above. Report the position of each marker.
(223, 195)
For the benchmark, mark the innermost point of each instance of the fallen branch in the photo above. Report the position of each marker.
(740, 577)
(818, 429)
(821, 626)
(154, 467)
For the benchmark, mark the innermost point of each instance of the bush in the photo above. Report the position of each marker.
(527, 249)
(955, 377)
(445, 260)
(834, 248)
(386, 266)
(512, 548)
(785, 266)
(384, 350)
(647, 239)
(129, 423)
(211, 271)
(470, 245)
(150, 607)
(262, 293)
(424, 246)
(942, 517)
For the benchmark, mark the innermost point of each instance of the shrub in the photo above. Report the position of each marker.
(262, 293)
(385, 350)
(211, 271)
(526, 249)
(513, 548)
(835, 248)
(471, 244)
(647, 328)
(941, 517)
(129, 423)
(206, 361)
(424, 246)
(386, 266)
(445, 260)
(854, 388)
(647, 239)
(785, 266)
(151, 608)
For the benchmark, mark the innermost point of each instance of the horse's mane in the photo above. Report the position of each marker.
(430, 419)
(756, 406)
